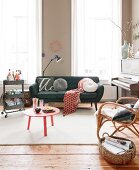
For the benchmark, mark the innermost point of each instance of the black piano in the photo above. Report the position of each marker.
(126, 83)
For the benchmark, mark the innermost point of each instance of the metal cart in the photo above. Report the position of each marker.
(13, 100)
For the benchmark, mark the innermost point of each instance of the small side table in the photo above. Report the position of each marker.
(30, 113)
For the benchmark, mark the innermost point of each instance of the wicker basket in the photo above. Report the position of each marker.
(117, 158)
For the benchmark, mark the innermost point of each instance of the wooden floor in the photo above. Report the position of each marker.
(61, 157)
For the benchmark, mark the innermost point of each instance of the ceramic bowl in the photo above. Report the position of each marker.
(37, 110)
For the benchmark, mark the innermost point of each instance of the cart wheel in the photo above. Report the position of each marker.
(2, 113)
(6, 116)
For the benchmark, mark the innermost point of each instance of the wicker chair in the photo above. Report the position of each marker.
(118, 125)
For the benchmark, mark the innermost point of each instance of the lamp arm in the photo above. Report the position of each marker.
(47, 66)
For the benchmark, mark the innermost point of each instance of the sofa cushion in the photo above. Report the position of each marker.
(60, 94)
(82, 81)
(60, 84)
(87, 95)
(45, 83)
(51, 94)
(90, 86)
(72, 81)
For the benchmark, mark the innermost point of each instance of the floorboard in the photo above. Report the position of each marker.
(61, 157)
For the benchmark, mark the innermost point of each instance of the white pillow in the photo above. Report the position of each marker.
(90, 86)
(112, 112)
(136, 106)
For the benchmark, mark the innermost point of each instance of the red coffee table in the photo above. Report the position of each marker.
(30, 113)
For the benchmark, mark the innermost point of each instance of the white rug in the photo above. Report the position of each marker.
(76, 128)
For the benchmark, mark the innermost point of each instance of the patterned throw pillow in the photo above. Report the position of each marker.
(45, 84)
(60, 84)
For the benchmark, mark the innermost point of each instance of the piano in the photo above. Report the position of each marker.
(128, 79)
(129, 84)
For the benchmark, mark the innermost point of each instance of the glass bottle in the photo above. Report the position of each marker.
(16, 75)
(9, 76)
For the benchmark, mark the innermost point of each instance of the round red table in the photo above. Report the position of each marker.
(30, 113)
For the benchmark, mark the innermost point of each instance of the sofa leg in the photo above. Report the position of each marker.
(96, 106)
(91, 104)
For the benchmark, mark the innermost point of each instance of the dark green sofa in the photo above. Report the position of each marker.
(72, 81)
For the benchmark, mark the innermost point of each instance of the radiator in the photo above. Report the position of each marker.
(109, 93)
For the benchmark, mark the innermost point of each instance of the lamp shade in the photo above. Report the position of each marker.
(55, 57)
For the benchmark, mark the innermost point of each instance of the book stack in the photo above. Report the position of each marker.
(117, 146)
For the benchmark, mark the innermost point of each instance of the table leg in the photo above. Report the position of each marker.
(52, 121)
(29, 119)
(45, 125)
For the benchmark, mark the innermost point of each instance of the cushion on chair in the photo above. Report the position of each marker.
(136, 106)
(60, 84)
(113, 112)
(109, 112)
(124, 115)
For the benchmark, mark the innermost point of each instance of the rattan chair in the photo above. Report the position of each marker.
(118, 125)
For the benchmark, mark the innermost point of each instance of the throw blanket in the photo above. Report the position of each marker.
(71, 100)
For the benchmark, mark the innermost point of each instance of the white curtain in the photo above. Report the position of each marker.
(96, 38)
(20, 42)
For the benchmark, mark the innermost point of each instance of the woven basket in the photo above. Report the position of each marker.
(117, 158)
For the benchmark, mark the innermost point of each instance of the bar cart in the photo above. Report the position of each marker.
(13, 100)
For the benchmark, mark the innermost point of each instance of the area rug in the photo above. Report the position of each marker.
(76, 128)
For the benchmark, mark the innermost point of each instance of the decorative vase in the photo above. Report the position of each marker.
(125, 50)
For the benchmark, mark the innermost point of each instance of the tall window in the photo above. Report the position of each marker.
(20, 38)
(96, 38)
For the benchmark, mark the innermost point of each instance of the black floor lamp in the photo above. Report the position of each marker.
(55, 57)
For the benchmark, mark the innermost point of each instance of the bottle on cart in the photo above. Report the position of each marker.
(17, 75)
(10, 76)
(20, 74)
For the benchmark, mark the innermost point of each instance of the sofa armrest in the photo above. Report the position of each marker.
(100, 92)
(34, 89)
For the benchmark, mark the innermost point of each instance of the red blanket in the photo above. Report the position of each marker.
(71, 100)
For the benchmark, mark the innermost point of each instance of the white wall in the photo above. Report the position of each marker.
(57, 28)
(126, 16)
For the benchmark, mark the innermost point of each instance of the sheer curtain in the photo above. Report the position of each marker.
(96, 40)
(20, 41)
